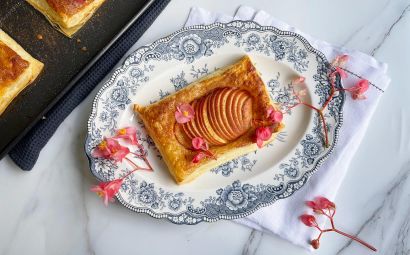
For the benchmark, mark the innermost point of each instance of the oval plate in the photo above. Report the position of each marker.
(243, 185)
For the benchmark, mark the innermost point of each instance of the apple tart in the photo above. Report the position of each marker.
(67, 15)
(226, 108)
(18, 69)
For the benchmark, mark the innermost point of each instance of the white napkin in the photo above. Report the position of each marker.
(282, 218)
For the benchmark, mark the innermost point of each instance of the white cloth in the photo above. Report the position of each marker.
(282, 218)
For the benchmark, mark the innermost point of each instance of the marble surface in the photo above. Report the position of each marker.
(50, 211)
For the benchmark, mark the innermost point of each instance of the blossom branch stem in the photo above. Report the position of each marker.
(332, 92)
(324, 128)
(143, 156)
(136, 166)
(136, 154)
(355, 239)
(129, 173)
(209, 154)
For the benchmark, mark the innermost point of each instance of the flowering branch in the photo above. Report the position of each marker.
(327, 208)
(357, 91)
(110, 148)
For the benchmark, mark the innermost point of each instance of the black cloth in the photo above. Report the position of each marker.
(25, 153)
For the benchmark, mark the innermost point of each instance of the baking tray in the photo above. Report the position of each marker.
(65, 59)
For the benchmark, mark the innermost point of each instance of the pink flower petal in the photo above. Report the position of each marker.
(302, 93)
(359, 89)
(259, 142)
(198, 157)
(110, 148)
(197, 143)
(298, 80)
(119, 155)
(340, 60)
(276, 116)
(107, 190)
(128, 134)
(262, 134)
(184, 113)
(269, 111)
(308, 220)
(341, 72)
(324, 203)
(180, 118)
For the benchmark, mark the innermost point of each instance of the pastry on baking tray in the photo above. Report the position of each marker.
(225, 108)
(17, 69)
(68, 15)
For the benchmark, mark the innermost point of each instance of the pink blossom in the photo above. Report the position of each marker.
(298, 80)
(110, 149)
(107, 190)
(184, 113)
(341, 72)
(128, 133)
(359, 89)
(199, 144)
(301, 93)
(340, 60)
(320, 203)
(308, 220)
(274, 115)
(262, 134)
(198, 157)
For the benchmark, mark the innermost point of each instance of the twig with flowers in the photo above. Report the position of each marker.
(357, 91)
(109, 148)
(264, 131)
(323, 206)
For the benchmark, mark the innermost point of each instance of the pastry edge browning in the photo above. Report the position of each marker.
(24, 79)
(68, 25)
(182, 176)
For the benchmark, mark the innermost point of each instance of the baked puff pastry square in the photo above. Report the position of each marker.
(227, 104)
(18, 69)
(67, 15)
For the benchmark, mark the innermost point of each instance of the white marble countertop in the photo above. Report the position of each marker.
(50, 210)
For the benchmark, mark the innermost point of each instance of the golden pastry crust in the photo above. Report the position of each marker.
(66, 20)
(12, 85)
(159, 119)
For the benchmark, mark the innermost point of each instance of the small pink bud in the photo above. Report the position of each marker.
(308, 220)
(298, 80)
(315, 243)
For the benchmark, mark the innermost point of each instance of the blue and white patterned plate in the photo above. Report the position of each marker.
(243, 185)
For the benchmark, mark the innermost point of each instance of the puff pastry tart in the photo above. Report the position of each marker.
(67, 15)
(17, 70)
(227, 107)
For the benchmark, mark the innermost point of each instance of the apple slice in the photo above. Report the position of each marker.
(221, 114)
(231, 121)
(216, 140)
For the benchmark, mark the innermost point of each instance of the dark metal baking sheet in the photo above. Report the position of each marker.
(65, 59)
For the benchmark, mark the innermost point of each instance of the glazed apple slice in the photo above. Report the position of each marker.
(213, 111)
(191, 125)
(216, 140)
(229, 111)
(221, 118)
(200, 121)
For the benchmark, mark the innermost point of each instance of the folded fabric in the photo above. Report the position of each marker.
(25, 153)
(282, 218)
